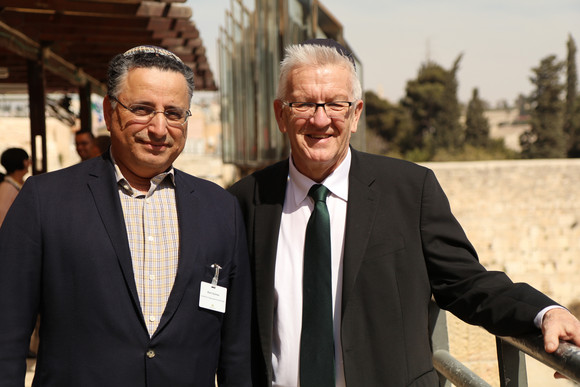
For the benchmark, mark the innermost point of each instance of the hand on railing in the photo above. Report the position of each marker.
(559, 324)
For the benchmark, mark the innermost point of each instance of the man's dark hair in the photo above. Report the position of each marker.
(13, 159)
(145, 57)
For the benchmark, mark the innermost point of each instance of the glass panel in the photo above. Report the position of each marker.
(251, 46)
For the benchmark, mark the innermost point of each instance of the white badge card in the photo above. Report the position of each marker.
(213, 297)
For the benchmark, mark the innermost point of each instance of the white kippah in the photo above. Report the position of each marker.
(151, 50)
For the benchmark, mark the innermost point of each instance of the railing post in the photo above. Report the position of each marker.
(439, 336)
(450, 370)
(512, 365)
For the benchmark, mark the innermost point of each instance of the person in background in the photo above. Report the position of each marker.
(85, 145)
(139, 271)
(103, 142)
(381, 241)
(17, 164)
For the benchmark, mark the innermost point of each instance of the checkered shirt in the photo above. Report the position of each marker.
(153, 232)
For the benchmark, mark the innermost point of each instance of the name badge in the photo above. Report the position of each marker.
(212, 296)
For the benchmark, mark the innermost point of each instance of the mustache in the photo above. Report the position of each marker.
(144, 136)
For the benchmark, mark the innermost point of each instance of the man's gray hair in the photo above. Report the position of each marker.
(299, 55)
(145, 57)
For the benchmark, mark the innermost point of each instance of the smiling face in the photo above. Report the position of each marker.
(143, 150)
(85, 145)
(319, 144)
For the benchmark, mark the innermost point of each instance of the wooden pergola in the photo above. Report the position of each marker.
(50, 46)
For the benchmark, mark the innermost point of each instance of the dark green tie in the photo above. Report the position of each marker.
(317, 340)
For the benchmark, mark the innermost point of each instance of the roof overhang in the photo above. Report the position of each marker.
(76, 39)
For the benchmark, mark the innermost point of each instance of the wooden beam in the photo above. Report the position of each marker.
(86, 116)
(123, 1)
(37, 101)
(164, 34)
(66, 6)
(34, 22)
(172, 42)
(20, 44)
(79, 37)
(151, 9)
(159, 23)
(179, 11)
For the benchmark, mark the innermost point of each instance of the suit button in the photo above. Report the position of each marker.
(151, 354)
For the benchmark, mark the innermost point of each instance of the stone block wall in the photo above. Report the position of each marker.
(523, 217)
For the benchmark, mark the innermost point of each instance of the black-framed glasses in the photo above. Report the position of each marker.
(334, 109)
(144, 113)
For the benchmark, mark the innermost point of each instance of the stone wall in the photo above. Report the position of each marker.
(523, 217)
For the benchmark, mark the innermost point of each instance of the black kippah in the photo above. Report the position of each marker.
(332, 44)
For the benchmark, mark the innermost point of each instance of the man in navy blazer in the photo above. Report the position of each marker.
(139, 271)
(394, 241)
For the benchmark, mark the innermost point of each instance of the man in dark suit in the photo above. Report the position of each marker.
(394, 244)
(139, 271)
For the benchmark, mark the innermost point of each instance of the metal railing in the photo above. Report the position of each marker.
(510, 357)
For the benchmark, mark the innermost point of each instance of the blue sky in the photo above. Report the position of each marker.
(500, 40)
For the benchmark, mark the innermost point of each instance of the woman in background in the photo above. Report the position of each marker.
(16, 162)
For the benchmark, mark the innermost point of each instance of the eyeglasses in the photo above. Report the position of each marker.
(334, 109)
(145, 113)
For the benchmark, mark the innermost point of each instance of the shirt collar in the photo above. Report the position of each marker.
(155, 180)
(336, 182)
(13, 182)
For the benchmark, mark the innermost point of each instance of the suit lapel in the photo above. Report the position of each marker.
(360, 216)
(102, 185)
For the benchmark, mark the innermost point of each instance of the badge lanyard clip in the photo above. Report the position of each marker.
(217, 268)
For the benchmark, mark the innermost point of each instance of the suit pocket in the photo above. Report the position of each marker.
(384, 248)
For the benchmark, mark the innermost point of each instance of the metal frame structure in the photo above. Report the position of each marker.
(251, 45)
(510, 357)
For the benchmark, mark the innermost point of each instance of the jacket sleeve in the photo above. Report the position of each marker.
(461, 284)
(20, 280)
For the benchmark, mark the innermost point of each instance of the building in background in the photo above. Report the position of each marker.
(251, 46)
(64, 47)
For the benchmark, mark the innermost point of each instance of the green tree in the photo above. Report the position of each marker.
(391, 122)
(545, 138)
(434, 108)
(449, 134)
(476, 124)
(424, 98)
(572, 112)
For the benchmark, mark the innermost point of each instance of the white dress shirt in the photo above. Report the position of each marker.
(289, 266)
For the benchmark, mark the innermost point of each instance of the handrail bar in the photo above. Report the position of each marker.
(565, 360)
(455, 371)
(511, 360)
